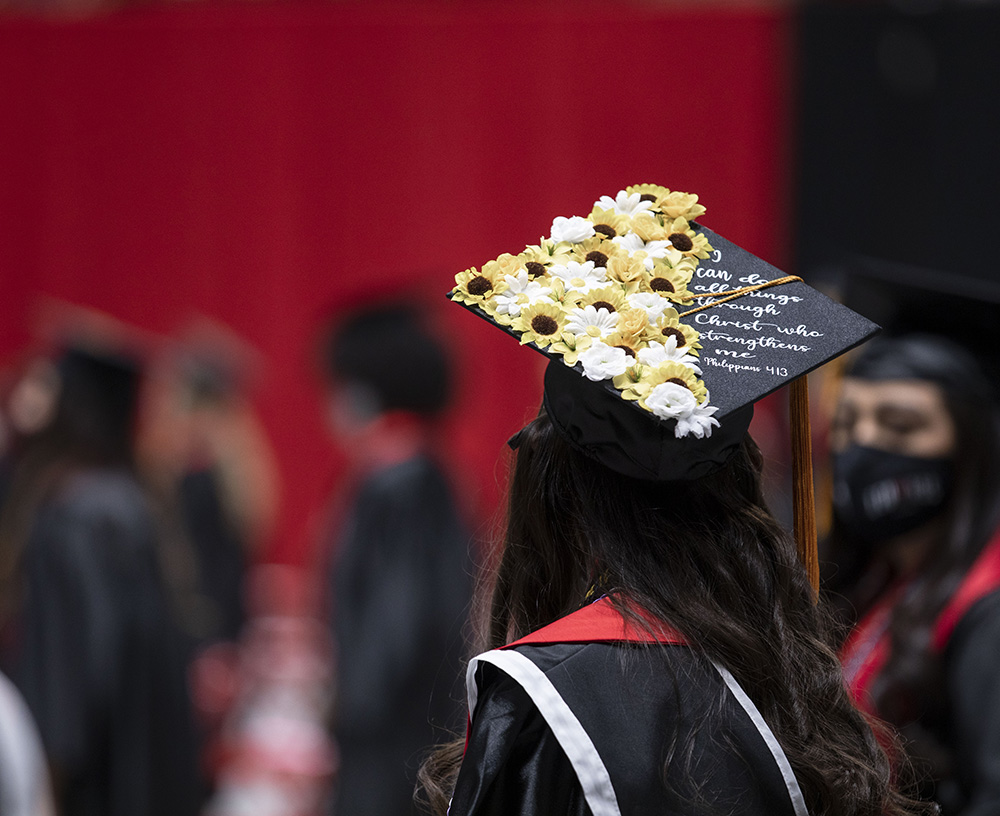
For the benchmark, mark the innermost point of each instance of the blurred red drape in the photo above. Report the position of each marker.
(266, 163)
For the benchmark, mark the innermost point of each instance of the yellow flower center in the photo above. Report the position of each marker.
(662, 284)
(534, 269)
(647, 197)
(677, 381)
(681, 242)
(627, 349)
(603, 304)
(598, 258)
(544, 325)
(606, 230)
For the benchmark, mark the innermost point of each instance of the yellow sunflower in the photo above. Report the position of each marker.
(679, 374)
(598, 250)
(669, 281)
(611, 298)
(477, 287)
(649, 192)
(608, 223)
(540, 323)
(686, 241)
(669, 325)
(680, 205)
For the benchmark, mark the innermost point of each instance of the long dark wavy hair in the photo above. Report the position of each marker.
(707, 558)
(909, 692)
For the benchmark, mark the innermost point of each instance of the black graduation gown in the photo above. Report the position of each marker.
(97, 659)
(401, 587)
(671, 736)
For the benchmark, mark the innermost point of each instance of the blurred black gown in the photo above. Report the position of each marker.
(96, 657)
(401, 587)
(670, 738)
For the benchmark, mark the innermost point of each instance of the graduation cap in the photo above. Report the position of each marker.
(661, 335)
(906, 299)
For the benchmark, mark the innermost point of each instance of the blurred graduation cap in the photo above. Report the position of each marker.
(905, 299)
(661, 336)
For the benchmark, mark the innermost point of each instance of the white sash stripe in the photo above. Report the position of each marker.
(578, 747)
(794, 791)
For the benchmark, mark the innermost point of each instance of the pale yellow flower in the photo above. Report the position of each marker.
(597, 250)
(608, 223)
(680, 205)
(679, 374)
(649, 228)
(649, 192)
(633, 324)
(686, 241)
(634, 383)
(669, 325)
(476, 287)
(540, 323)
(630, 272)
(611, 298)
(570, 346)
(547, 252)
(670, 282)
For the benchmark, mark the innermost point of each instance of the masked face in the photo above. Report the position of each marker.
(893, 444)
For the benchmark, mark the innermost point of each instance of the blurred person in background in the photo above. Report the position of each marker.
(206, 455)
(401, 577)
(916, 457)
(86, 629)
(24, 778)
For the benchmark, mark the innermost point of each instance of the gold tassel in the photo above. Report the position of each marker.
(803, 501)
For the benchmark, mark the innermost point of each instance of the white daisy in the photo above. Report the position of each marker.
(652, 303)
(574, 229)
(699, 423)
(656, 353)
(602, 362)
(632, 243)
(592, 321)
(510, 300)
(580, 277)
(625, 204)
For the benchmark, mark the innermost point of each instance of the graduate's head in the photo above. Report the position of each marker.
(916, 442)
(382, 360)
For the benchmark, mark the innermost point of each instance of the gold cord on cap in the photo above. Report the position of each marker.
(803, 499)
(732, 294)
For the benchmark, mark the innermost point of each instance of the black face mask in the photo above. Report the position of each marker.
(879, 495)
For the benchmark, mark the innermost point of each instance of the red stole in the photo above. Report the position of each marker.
(866, 650)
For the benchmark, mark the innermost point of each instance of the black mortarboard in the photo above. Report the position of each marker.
(745, 348)
(905, 299)
(661, 334)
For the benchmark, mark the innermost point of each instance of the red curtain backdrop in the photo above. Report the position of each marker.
(265, 164)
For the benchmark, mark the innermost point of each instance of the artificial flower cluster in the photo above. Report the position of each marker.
(602, 292)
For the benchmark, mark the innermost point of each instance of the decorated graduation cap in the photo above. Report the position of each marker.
(661, 335)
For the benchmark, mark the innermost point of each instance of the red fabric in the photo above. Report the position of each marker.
(266, 163)
(982, 579)
(866, 650)
(600, 622)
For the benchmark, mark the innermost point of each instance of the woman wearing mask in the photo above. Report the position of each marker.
(916, 440)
